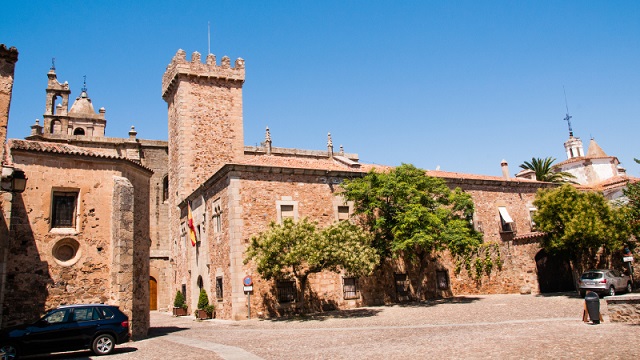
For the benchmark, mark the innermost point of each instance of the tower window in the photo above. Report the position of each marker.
(78, 131)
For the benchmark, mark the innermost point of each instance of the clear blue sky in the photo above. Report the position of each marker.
(456, 84)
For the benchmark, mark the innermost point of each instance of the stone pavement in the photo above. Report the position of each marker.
(466, 327)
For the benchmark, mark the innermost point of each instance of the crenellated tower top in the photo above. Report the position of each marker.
(179, 66)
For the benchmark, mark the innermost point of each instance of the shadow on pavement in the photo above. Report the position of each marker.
(567, 294)
(335, 314)
(80, 355)
(434, 302)
(156, 331)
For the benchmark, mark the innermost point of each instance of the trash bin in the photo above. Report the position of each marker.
(592, 302)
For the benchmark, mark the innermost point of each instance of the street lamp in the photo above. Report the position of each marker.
(13, 180)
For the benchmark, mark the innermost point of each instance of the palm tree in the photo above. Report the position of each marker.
(544, 170)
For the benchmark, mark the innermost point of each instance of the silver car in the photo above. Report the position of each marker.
(604, 282)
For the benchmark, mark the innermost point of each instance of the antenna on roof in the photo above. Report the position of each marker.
(84, 85)
(209, 37)
(53, 63)
(568, 117)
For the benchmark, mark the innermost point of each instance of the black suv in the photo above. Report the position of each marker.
(97, 327)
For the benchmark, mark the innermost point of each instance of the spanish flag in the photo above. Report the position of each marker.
(192, 228)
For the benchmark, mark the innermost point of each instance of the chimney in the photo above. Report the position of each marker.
(505, 169)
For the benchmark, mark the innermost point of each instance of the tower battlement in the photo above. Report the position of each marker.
(179, 66)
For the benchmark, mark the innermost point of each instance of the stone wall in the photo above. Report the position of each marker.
(624, 308)
(110, 236)
(8, 59)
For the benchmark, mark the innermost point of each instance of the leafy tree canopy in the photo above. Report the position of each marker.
(544, 170)
(300, 249)
(412, 214)
(632, 207)
(579, 224)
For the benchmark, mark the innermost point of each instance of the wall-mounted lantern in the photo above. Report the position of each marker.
(13, 180)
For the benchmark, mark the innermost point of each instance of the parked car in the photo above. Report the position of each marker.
(97, 327)
(604, 282)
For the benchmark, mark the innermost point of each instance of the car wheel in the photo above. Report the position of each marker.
(612, 291)
(103, 344)
(629, 287)
(8, 352)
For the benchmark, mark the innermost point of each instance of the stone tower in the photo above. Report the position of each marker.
(205, 119)
(205, 129)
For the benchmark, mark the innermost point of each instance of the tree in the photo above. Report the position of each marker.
(544, 170)
(413, 215)
(579, 224)
(632, 207)
(300, 249)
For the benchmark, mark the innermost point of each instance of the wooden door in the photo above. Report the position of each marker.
(153, 294)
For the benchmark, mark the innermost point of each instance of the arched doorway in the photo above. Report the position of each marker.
(554, 273)
(153, 294)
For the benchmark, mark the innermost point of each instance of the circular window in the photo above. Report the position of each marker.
(66, 252)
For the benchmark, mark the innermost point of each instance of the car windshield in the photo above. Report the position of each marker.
(591, 275)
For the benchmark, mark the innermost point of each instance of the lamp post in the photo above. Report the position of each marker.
(13, 180)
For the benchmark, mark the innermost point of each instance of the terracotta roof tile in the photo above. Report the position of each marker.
(66, 149)
(457, 175)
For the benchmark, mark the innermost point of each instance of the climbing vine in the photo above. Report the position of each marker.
(480, 261)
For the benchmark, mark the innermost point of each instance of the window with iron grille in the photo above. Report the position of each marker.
(402, 286)
(443, 279)
(64, 209)
(350, 288)
(219, 287)
(286, 291)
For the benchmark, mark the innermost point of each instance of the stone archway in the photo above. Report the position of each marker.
(153, 293)
(554, 273)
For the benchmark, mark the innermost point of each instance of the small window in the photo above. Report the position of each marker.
(532, 212)
(66, 252)
(350, 288)
(199, 282)
(443, 279)
(64, 209)
(78, 131)
(165, 189)
(402, 286)
(286, 209)
(219, 288)
(343, 213)
(286, 291)
(286, 212)
(217, 217)
(506, 222)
